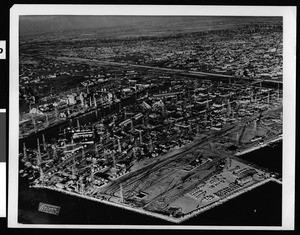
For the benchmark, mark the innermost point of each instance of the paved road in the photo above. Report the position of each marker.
(182, 72)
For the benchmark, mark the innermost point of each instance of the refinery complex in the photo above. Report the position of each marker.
(159, 140)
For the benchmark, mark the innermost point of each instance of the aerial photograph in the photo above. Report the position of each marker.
(150, 120)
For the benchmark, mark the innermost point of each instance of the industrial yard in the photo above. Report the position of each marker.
(160, 156)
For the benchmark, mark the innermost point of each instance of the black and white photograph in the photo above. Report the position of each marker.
(176, 117)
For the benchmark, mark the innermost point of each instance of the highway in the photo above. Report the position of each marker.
(179, 71)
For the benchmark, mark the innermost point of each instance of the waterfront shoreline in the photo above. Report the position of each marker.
(248, 150)
(163, 217)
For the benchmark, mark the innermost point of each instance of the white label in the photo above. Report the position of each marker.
(2, 50)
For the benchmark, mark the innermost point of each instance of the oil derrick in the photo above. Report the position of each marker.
(131, 125)
(260, 85)
(254, 125)
(251, 95)
(120, 106)
(239, 137)
(77, 186)
(190, 126)
(38, 149)
(119, 145)
(24, 151)
(81, 186)
(134, 152)
(74, 168)
(34, 124)
(211, 146)
(163, 110)
(47, 120)
(44, 142)
(121, 193)
(54, 152)
(114, 160)
(229, 162)
(78, 124)
(229, 108)
(92, 173)
(151, 146)
(207, 105)
(96, 151)
(90, 101)
(56, 112)
(141, 137)
(81, 99)
(39, 160)
(197, 130)
(95, 101)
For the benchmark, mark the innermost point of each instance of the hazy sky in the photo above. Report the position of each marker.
(44, 24)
